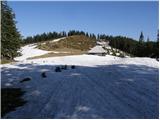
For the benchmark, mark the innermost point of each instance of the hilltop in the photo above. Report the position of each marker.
(79, 42)
(64, 46)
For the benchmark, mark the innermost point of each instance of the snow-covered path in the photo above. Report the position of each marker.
(99, 87)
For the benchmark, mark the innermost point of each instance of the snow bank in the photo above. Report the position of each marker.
(150, 62)
(30, 51)
(94, 60)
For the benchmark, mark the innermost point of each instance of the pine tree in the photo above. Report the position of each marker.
(98, 37)
(148, 48)
(141, 38)
(157, 46)
(158, 35)
(87, 34)
(11, 39)
(148, 39)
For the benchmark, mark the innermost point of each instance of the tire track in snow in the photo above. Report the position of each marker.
(115, 106)
(128, 96)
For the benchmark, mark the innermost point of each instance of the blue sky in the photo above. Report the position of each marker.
(112, 18)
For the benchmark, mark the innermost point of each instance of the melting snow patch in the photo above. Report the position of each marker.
(35, 93)
(82, 108)
(131, 80)
(30, 51)
(75, 74)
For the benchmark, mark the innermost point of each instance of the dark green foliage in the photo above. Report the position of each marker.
(74, 32)
(158, 36)
(121, 55)
(133, 47)
(54, 35)
(11, 39)
(43, 37)
(141, 38)
(10, 99)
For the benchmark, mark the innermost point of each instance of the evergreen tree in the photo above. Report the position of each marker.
(87, 34)
(158, 35)
(98, 37)
(148, 39)
(148, 47)
(157, 46)
(141, 38)
(11, 39)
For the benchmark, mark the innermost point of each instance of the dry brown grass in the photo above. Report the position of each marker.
(62, 52)
(72, 45)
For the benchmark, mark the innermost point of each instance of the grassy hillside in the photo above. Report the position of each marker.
(52, 54)
(79, 42)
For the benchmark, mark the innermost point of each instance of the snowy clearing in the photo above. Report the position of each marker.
(30, 51)
(98, 87)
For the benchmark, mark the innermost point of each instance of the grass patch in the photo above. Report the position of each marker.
(61, 52)
(10, 99)
(4, 61)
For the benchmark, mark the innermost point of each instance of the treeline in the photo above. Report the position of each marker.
(54, 35)
(43, 37)
(139, 48)
(76, 32)
(10, 37)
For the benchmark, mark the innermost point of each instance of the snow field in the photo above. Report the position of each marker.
(99, 87)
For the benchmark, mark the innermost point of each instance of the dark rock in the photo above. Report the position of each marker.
(43, 75)
(25, 79)
(58, 69)
(73, 66)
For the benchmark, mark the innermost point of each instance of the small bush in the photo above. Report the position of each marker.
(122, 55)
(114, 53)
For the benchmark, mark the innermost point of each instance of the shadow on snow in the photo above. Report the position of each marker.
(102, 91)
